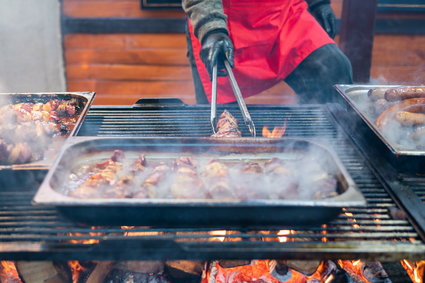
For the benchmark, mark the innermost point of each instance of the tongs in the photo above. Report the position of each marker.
(239, 98)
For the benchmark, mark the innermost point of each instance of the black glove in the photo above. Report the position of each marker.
(325, 16)
(217, 47)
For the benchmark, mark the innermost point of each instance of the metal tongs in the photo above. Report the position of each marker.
(239, 98)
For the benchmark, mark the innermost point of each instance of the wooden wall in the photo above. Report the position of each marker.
(121, 68)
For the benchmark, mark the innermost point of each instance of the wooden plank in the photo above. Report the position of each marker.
(107, 9)
(399, 75)
(396, 58)
(170, 88)
(170, 57)
(124, 41)
(399, 42)
(356, 36)
(128, 72)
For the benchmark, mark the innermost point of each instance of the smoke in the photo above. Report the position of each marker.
(372, 103)
(299, 171)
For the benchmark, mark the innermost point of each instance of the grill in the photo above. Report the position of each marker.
(32, 233)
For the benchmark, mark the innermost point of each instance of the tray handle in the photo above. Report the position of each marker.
(157, 102)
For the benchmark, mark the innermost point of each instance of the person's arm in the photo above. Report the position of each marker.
(210, 27)
(322, 12)
(207, 17)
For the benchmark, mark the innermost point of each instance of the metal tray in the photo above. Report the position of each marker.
(196, 212)
(400, 156)
(85, 99)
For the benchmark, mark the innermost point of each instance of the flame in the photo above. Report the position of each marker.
(76, 269)
(218, 233)
(354, 268)
(139, 233)
(85, 241)
(324, 232)
(8, 271)
(284, 232)
(263, 271)
(277, 132)
(415, 270)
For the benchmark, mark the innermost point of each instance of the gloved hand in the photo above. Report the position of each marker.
(215, 48)
(325, 16)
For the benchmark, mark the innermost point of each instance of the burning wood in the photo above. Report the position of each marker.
(8, 272)
(415, 270)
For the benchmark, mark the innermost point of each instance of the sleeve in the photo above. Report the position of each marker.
(313, 3)
(207, 16)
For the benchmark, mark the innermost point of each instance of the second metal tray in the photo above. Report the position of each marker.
(80, 151)
(402, 157)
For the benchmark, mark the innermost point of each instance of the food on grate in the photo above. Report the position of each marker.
(227, 126)
(27, 129)
(405, 92)
(201, 178)
(217, 179)
(413, 105)
(187, 183)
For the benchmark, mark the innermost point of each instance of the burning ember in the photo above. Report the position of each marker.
(277, 132)
(415, 270)
(8, 272)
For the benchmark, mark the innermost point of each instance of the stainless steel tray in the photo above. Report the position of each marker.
(403, 158)
(357, 97)
(85, 100)
(194, 212)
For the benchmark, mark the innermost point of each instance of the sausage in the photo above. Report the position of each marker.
(406, 92)
(418, 134)
(376, 93)
(406, 105)
(409, 118)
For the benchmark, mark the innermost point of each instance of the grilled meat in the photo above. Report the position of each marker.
(154, 185)
(217, 180)
(28, 128)
(227, 126)
(100, 177)
(187, 183)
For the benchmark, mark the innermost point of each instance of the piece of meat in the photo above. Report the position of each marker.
(155, 183)
(100, 177)
(281, 180)
(186, 183)
(249, 182)
(122, 188)
(227, 126)
(405, 92)
(376, 93)
(217, 181)
(409, 118)
(410, 105)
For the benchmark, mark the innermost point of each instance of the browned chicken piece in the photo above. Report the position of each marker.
(217, 181)
(187, 183)
(249, 182)
(227, 126)
(154, 183)
(281, 180)
(101, 176)
(122, 188)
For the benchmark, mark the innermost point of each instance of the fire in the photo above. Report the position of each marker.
(8, 271)
(265, 271)
(85, 241)
(76, 269)
(277, 132)
(218, 233)
(415, 270)
(137, 233)
(284, 232)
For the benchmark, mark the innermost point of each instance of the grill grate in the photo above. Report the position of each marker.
(29, 232)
